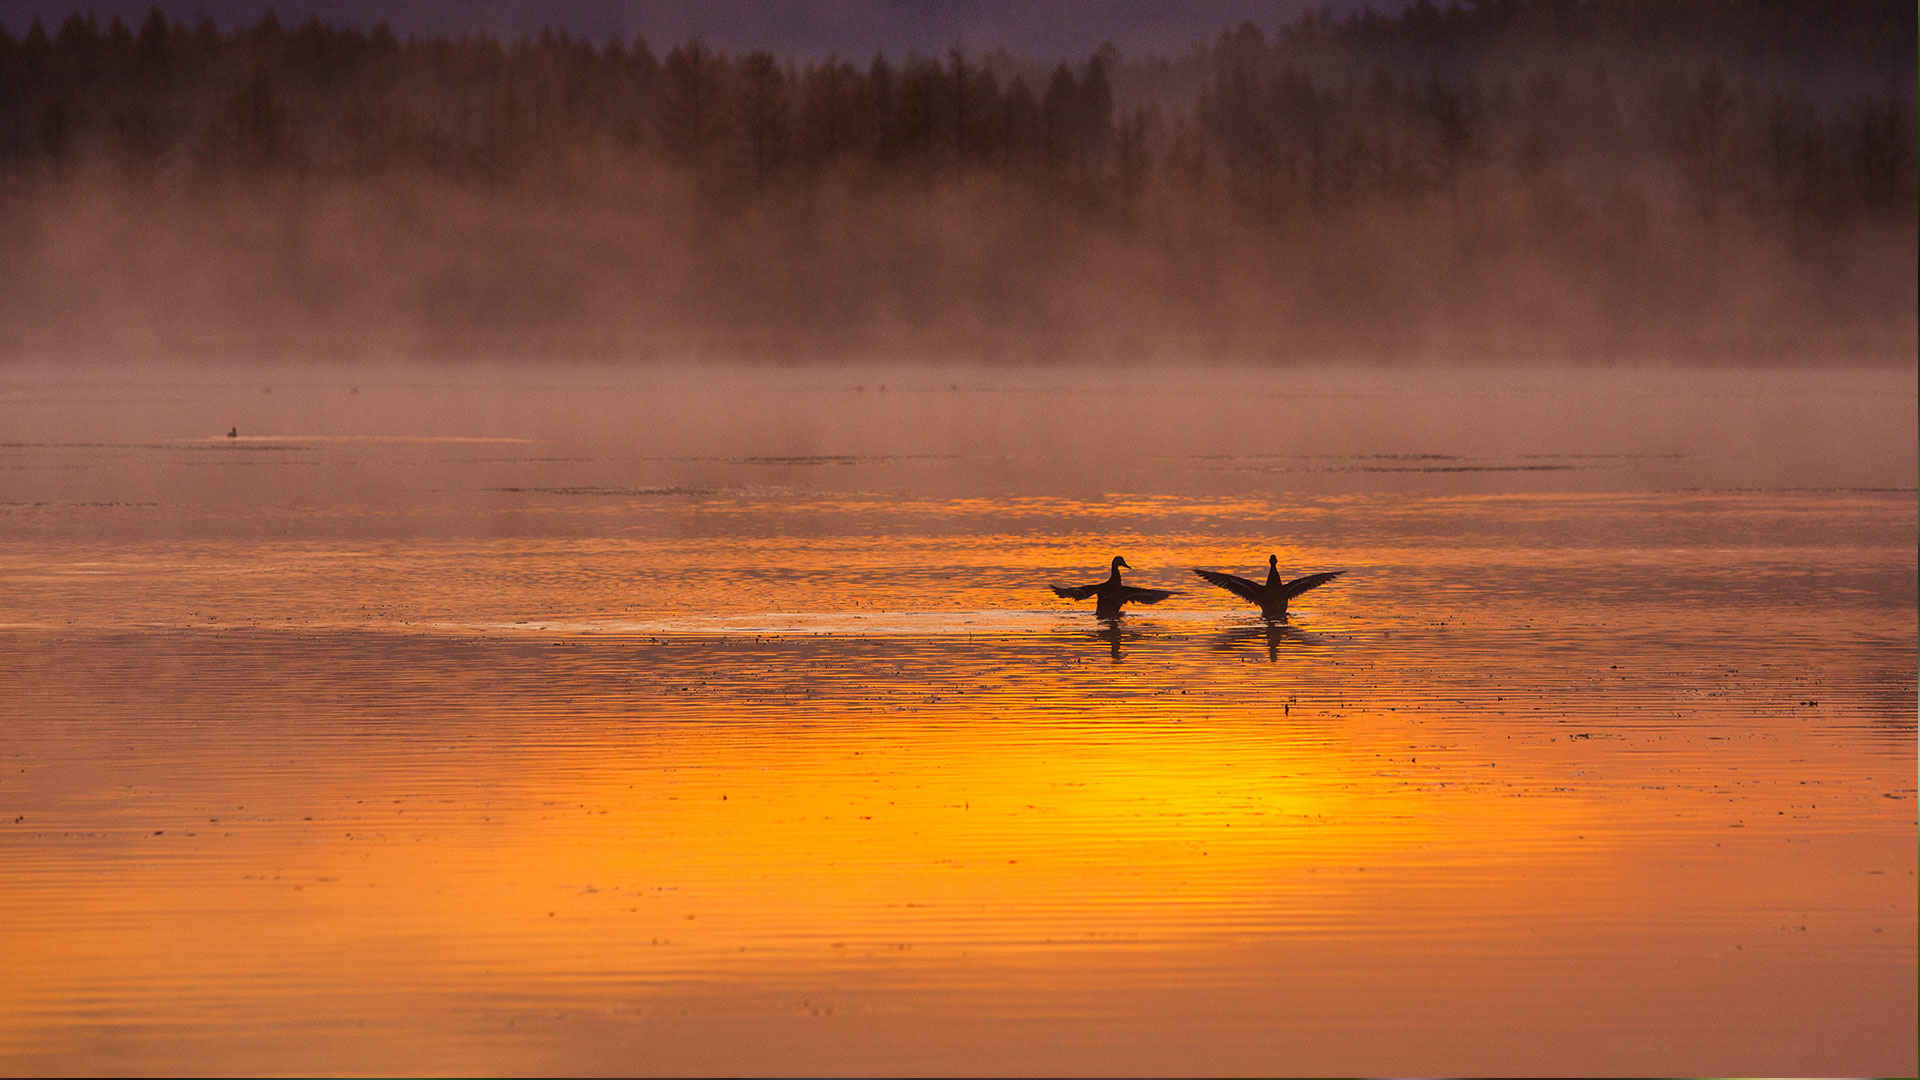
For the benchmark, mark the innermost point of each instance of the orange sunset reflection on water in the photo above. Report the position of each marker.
(936, 858)
(716, 771)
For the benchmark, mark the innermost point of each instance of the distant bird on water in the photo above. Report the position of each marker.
(1272, 596)
(233, 433)
(1110, 593)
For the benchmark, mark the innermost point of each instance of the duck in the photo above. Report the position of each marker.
(1272, 596)
(1110, 594)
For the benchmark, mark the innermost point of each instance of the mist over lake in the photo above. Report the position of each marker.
(1684, 183)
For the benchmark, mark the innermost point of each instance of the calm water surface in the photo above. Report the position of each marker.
(720, 721)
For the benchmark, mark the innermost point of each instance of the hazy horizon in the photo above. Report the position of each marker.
(1446, 185)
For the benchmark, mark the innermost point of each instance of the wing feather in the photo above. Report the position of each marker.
(1074, 592)
(1135, 595)
(1311, 581)
(1238, 586)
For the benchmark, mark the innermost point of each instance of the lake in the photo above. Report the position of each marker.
(719, 719)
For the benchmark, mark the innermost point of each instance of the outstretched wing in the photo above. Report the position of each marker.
(1133, 595)
(1074, 592)
(1311, 581)
(1238, 586)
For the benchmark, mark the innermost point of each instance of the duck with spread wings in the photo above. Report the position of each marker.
(1274, 594)
(1110, 594)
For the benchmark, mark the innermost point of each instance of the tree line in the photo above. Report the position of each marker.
(1673, 163)
(1728, 103)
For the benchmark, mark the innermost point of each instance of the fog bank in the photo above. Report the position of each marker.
(1438, 186)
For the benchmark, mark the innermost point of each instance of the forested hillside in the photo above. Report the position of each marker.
(1514, 177)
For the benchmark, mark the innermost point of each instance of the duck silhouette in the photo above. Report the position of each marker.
(1272, 596)
(1110, 594)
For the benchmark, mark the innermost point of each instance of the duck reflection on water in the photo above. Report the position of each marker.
(1115, 629)
(1274, 632)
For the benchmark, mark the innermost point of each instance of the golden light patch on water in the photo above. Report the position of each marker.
(875, 852)
(794, 844)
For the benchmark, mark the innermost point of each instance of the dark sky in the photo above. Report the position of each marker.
(1038, 28)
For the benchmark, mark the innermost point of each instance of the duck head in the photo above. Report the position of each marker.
(1273, 562)
(1120, 564)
